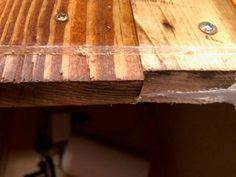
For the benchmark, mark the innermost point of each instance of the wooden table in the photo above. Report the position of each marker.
(61, 78)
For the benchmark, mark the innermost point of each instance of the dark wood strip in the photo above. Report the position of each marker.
(12, 21)
(44, 23)
(171, 86)
(78, 69)
(107, 26)
(27, 69)
(30, 38)
(19, 69)
(56, 63)
(10, 68)
(31, 33)
(43, 37)
(18, 35)
(2, 65)
(104, 28)
(3, 4)
(38, 71)
(78, 23)
(78, 65)
(5, 15)
(69, 93)
(133, 68)
(60, 26)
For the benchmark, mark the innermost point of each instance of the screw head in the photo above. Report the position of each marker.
(208, 28)
(61, 16)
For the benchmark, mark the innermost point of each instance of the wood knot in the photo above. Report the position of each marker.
(168, 25)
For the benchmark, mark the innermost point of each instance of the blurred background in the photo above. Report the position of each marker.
(178, 140)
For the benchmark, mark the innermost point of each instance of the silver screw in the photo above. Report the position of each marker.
(61, 16)
(208, 28)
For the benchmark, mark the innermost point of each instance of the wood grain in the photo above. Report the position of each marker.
(174, 23)
(167, 23)
(189, 87)
(187, 76)
(91, 22)
(69, 93)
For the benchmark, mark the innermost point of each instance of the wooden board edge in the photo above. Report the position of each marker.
(195, 87)
(38, 94)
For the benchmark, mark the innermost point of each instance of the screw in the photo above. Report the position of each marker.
(108, 27)
(208, 28)
(61, 16)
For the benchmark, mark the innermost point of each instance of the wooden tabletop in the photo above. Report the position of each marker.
(48, 79)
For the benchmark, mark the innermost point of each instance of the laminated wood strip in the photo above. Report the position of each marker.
(68, 79)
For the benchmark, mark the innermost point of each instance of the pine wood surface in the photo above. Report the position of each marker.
(189, 76)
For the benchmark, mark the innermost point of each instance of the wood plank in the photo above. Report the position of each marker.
(174, 23)
(78, 65)
(90, 22)
(167, 23)
(69, 93)
(187, 76)
(102, 33)
(189, 87)
(33, 23)
(123, 31)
